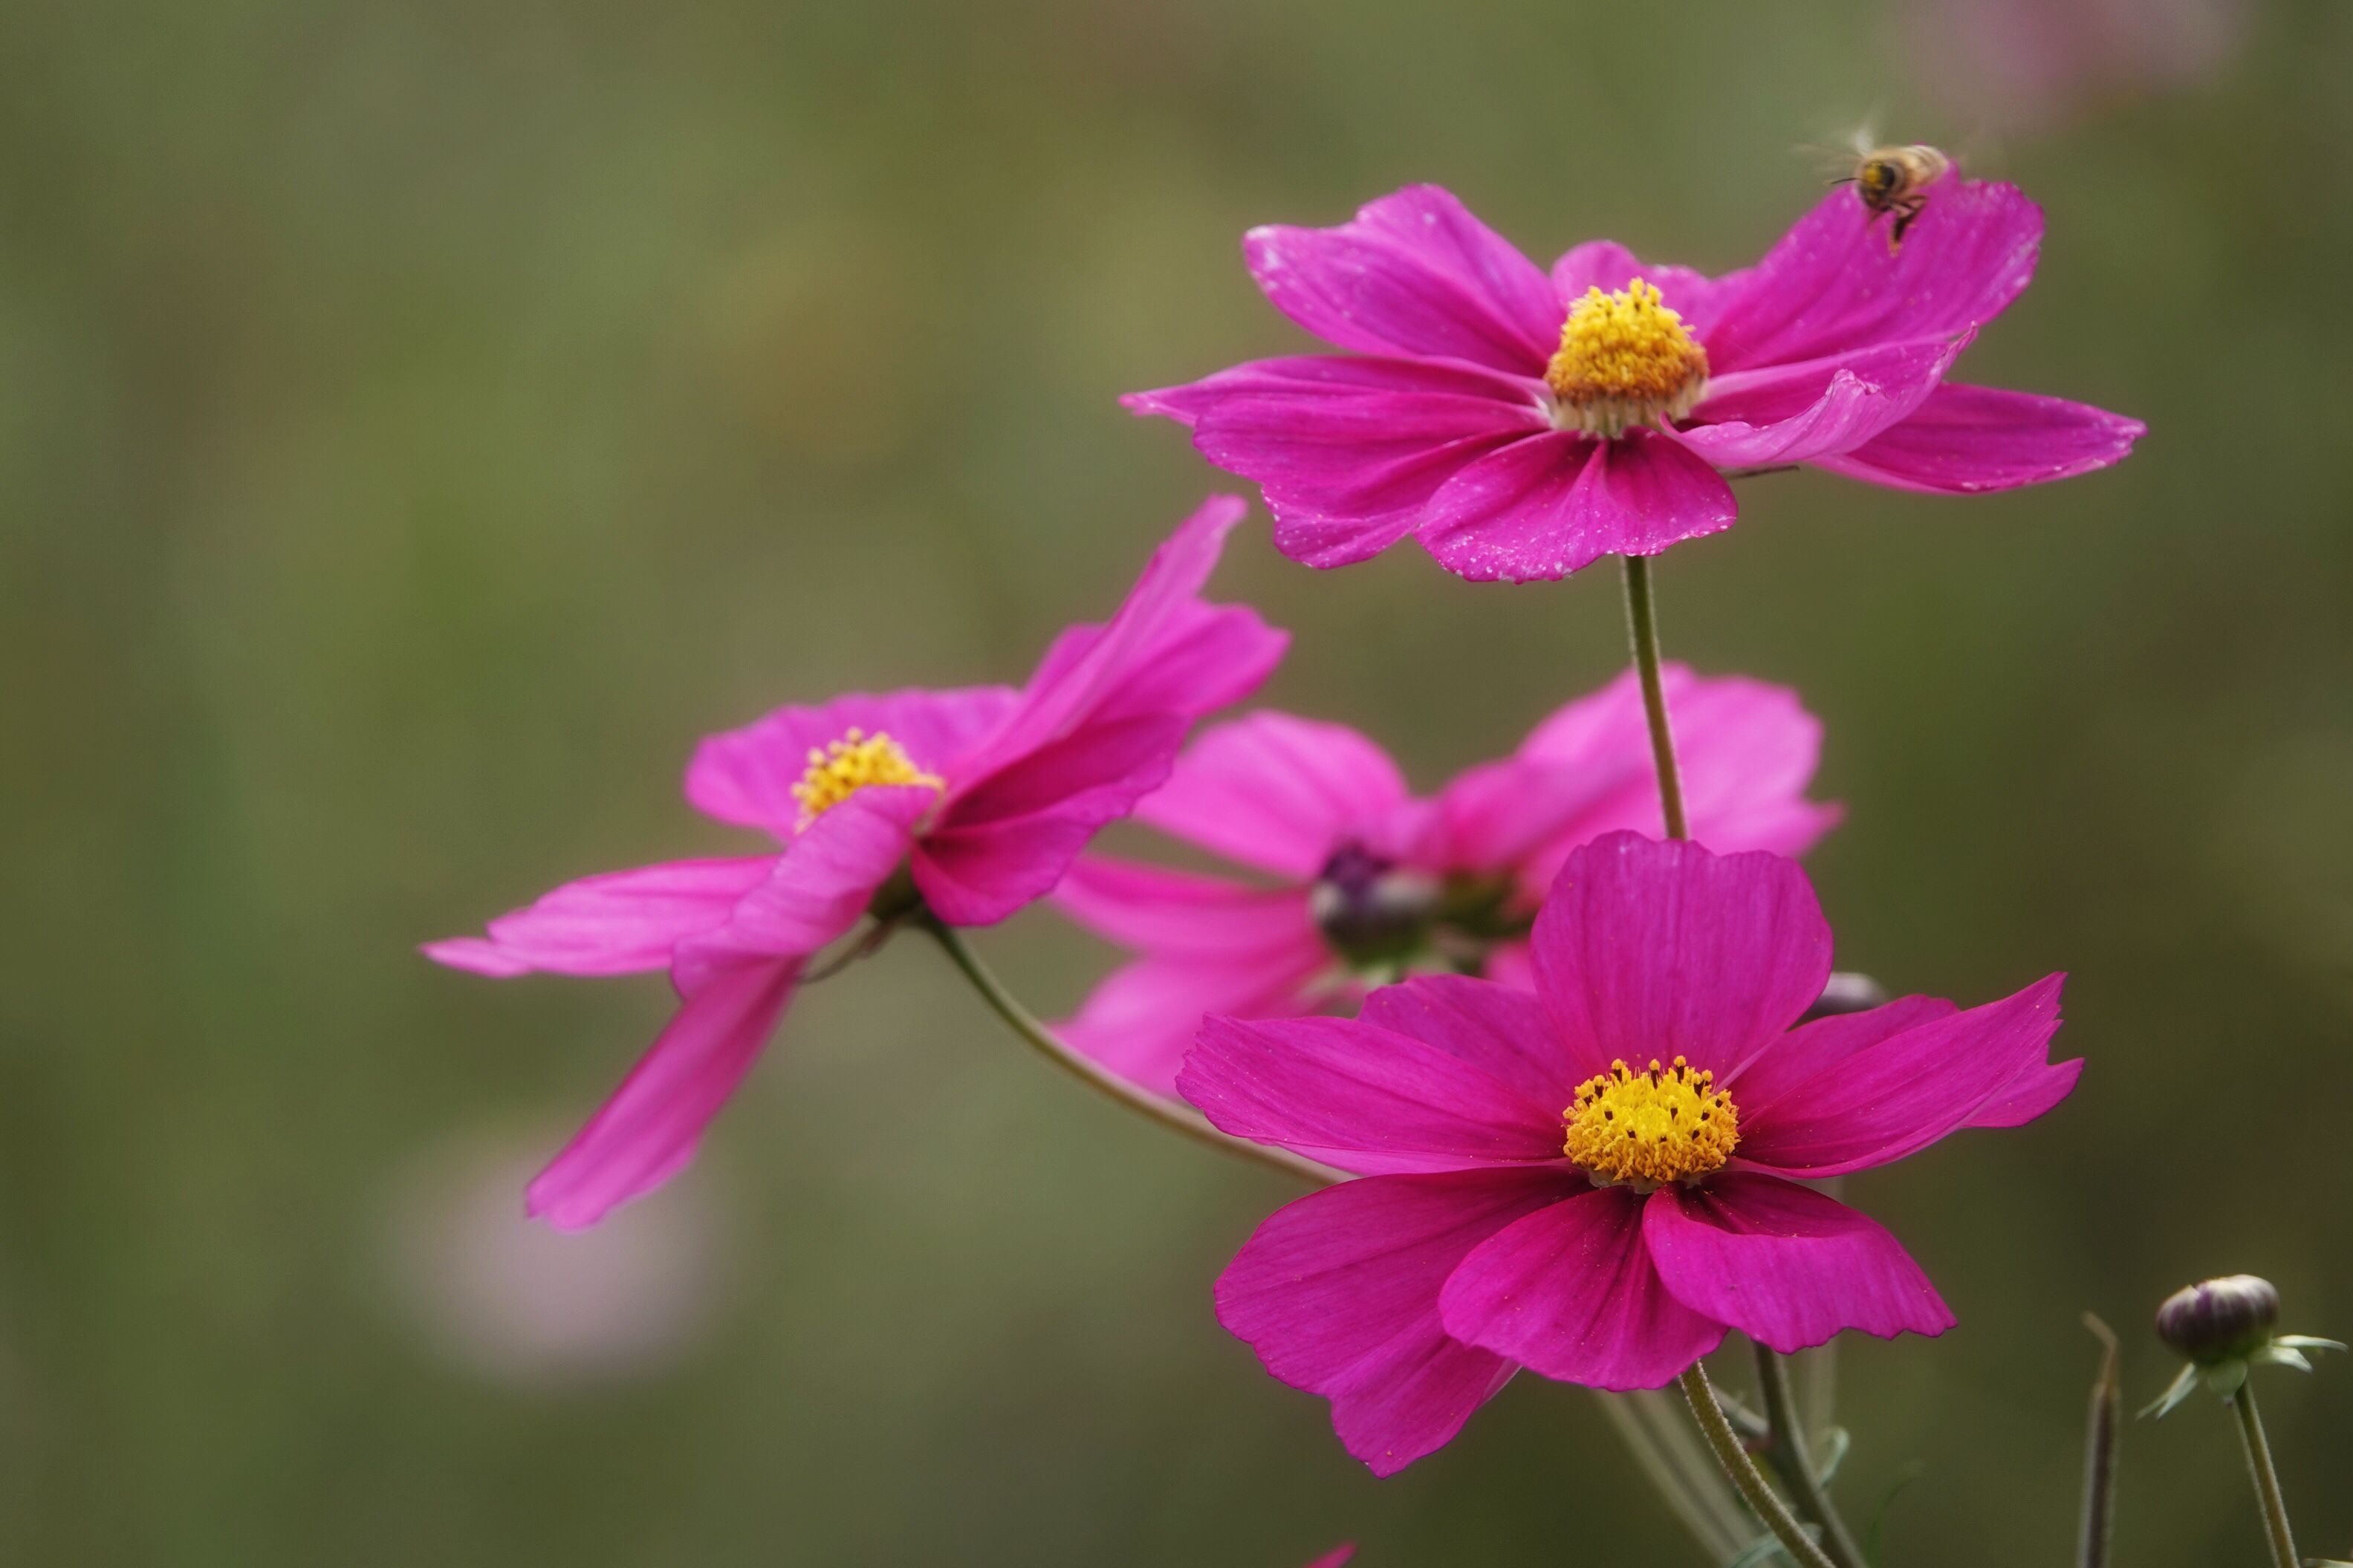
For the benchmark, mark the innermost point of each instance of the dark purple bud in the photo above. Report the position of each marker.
(1845, 991)
(2217, 1321)
(1370, 908)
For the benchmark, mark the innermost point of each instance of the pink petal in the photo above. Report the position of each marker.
(1813, 1049)
(817, 890)
(1277, 792)
(1829, 287)
(1491, 817)
(746, 776)
(1362, 1098)
(1607, 265)
(1570, 1291)
(1545, 506)
(1796, 413)
(1898, 1096)
(1747, 751)
(1098, 671)
(623, 922)
(1414, 274)
(1501, 1030)
(1337, 1559)
(1338, 1295)
(1784, 1264)
(1182, 913)
(1216, 947)
(648, 1130)
(1598, 732)
(1205, 657)
(1009, 841)
(475, 956)
(1145, 1016)
(1098, 726)
(1659, 949)
(1349, 451)
(1510, 964)
(1967, 439)
(2034, 1093)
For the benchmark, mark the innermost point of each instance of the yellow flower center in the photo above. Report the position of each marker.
(1625, 360)
(1650, 1126)
(844, 767)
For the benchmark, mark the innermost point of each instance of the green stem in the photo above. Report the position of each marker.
(1180, 1119)
(2098, 1524)
(2267, 1487)
(1642, 631)
(1786, 1450)
(1742, 1470)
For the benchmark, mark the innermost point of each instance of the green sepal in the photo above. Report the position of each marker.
(2287, 1350)
(2183, 1387)
(1831, 1452)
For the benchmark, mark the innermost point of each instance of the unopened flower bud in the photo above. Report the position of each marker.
(2222, 1319)
(1370, 908)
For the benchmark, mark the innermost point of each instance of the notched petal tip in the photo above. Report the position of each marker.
(474, 956)
(1166, 402)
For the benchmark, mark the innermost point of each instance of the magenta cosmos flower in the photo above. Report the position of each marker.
(976, 801)
(1596, 1179)
(1521, 425)
(1373, 882)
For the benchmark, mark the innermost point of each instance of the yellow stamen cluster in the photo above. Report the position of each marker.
(1625, 360)
(843, 767)
(1650, 1126)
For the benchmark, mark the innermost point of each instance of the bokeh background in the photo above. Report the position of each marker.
(421, 420)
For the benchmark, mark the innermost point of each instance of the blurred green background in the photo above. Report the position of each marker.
(421, 421)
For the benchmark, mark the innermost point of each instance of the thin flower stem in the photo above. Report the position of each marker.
(1642, 631)
(1700, 1394)
(2267, 1487)
(1786, 1449)
(2098, 1524)
(1179, 1119)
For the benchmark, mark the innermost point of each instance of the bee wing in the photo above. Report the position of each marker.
(1835, 164)
(1842, 147)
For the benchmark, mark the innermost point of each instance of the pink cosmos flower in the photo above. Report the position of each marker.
(1598, 1179)
(1373, 881)
(1521, 425)
(975, 800)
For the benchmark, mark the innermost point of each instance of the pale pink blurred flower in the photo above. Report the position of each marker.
(2020, 65)
(523, 1303)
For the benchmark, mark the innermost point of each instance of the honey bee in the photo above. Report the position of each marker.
(1895, 180)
